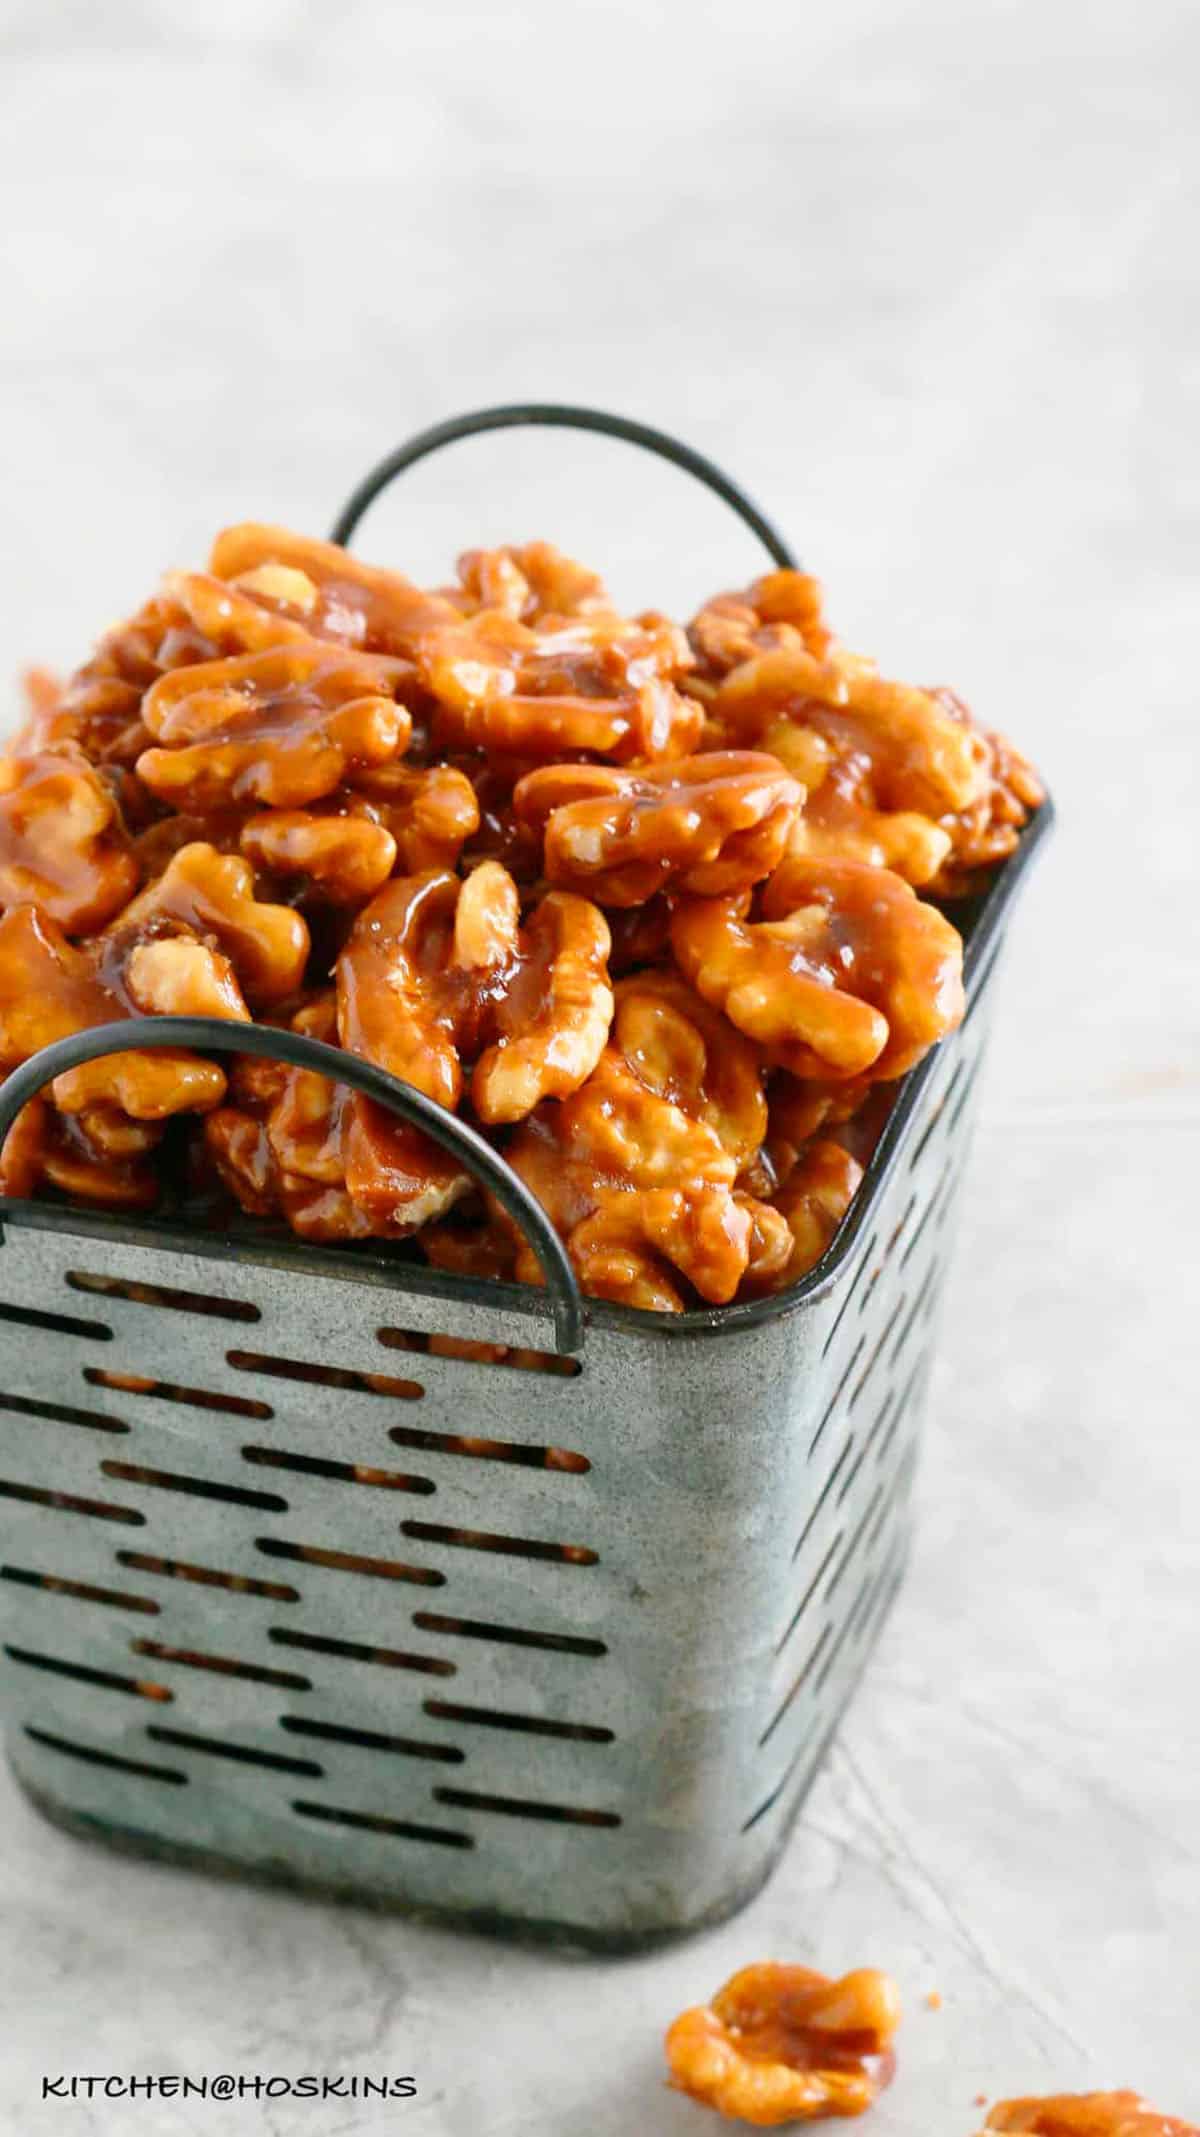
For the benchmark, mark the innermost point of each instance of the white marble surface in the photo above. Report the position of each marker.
(925, 274)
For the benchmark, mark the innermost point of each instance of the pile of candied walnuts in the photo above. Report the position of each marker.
(642, 902)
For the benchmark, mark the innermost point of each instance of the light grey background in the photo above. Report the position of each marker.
(925, 276)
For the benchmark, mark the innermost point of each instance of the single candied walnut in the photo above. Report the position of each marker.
(709, 824)
(438, 972)
(847, 972)
(552, 1019)
(596, 683)
(178, 976)
(430, 811)
(986, 833)
(918, 745)
(335, 1165)
(687, 1052)
(335, 594)
(529, 582)
(50, 989)
(1088, 2114)
(619, 1251)
(279, 728)
(45, 1148)
(812, 1202)
(844, 817)
(211, 896)
(98, 708)
(783, 2044)
(63, 846)
(782, 608)
(343, 855)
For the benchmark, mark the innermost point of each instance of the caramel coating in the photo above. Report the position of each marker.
(63, 846)
(1091, 2114)
(710, 824)
(212, 895)
(783, 2044)
(282, 727)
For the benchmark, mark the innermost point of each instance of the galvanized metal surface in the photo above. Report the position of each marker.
(582, 1695)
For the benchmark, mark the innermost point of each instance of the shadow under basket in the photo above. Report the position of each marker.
(553, 1644)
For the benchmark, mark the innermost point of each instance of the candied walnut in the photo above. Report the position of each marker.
(818, 1191)
(63, 846)
(1090, 2114)
(596, 683)
(530, 582)
(49, 989)
(211, 895)
(552, 1020)
(782, 608)
(986, 833)
(709, 824)
(356, 604)
(177, 976)
(343, 855)
(280, 728)
(685, 1051)
(437, 971)
(783, 2044)
(99, 707)
(271, 607)
(704, 1232)
(844, 817)
(918, 747)
(848, 971)
(44, 1148)
(336, 1166)
(430, 812)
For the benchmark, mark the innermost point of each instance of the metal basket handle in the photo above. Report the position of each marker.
(556, 415)
(215, 1034)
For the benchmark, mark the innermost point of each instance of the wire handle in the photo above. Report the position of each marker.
(219, 1035)
(559, 415)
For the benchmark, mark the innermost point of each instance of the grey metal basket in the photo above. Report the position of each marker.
(555, 1643)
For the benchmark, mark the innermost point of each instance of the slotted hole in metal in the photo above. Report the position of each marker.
(527, 1724)
(852, 1293)
(60, 1324)
(559, 1643)
(488, 1450)
(325, 1376)
(317, 1465)
(836, 1396)
(220, 1747)
(66, 1502)
(375, 1822)
(931, 1207)
(60, 1413)
(353, 1651)
(522, 1807)
(797, 1617)
(851, 1549)
(92, 1756)
(567, 1554)
(209, 1576)
(468, 1351)
(312, 1554)
(170, 1391)
(823, 1498)
(864, 1378)
(222, 1665)
(194, 1487)
(104, 1680)
(140, 1294)
(797, 1685)
(404, 1747)
(82, 1591)
(782, 1786)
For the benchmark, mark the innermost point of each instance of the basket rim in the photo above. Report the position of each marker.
(983, 939)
